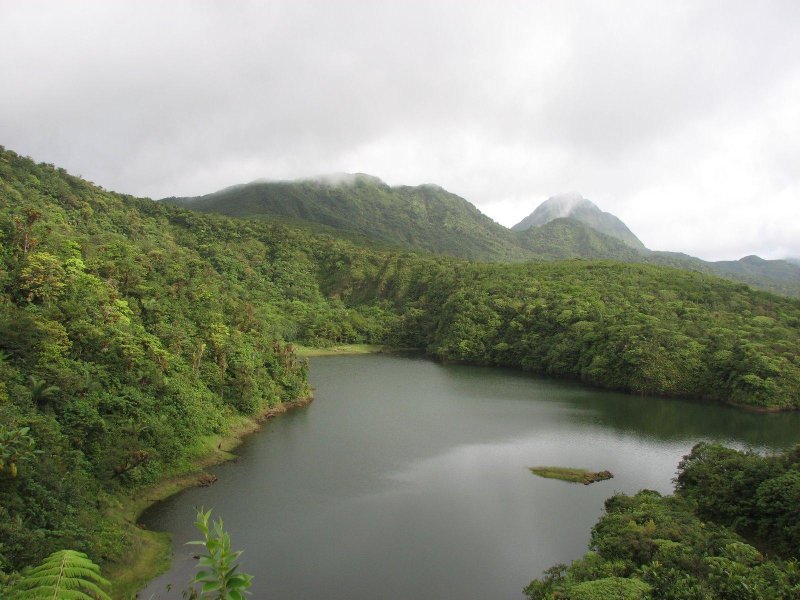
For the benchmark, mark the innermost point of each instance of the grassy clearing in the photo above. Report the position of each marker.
(341, 349)
(572, 475)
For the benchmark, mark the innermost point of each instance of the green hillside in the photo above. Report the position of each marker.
(574, 206)
(424, 218)
(778, 276)
(569, 238)
(429, 219)
(133, 332)
(632, 327)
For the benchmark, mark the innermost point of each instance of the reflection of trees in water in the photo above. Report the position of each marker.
(664, 419)
(672, 419)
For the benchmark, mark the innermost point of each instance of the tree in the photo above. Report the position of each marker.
(42, 278)
(41, 392)
(16, 446)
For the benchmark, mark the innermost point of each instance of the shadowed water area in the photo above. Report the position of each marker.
(407, 479)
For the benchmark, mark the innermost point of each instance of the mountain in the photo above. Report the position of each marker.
(424, 217)
(429, 219)
(575, 206)
(566, 237)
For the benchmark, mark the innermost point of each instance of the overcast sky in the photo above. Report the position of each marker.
(682, 118)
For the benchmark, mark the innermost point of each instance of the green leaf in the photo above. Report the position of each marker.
(64, 575)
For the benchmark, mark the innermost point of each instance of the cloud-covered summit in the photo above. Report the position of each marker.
(574, 206)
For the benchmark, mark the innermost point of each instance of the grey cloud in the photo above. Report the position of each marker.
(636, 105)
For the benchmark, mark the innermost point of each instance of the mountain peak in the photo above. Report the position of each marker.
(573, 205)
(564, 204)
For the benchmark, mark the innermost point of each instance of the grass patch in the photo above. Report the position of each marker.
(151, 553)
(572, 475)
(341, 349)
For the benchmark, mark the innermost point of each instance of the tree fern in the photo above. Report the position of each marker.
(64, 575)
(41, 392)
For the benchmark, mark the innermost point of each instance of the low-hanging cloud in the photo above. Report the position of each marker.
(682, 118)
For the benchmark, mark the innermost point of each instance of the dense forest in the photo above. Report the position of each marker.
(428, 218)
(132, 330)
(731, 532)
(632, 327)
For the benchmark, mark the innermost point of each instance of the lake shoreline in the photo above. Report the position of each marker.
(353, 349)
(408, 460)
(560, 377)
(150, 552)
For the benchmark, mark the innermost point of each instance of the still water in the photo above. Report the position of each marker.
(407, 479)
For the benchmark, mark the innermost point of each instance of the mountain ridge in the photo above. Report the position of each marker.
(428, 218)
(424, 217)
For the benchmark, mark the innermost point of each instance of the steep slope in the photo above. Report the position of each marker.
(424, 217)
(575, 206)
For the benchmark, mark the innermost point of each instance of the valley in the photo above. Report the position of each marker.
(136, 333)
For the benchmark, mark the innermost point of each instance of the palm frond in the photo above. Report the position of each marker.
(64, 575)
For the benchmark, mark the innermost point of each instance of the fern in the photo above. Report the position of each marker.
(64, 575)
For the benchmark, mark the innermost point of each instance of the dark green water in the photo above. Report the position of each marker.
(407, 479)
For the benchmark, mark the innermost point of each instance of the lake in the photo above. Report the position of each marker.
(407, 479)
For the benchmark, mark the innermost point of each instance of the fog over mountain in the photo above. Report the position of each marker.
(573, 205)
(429, 218)
(680, 118)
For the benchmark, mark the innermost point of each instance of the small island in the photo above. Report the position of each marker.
(572, 475)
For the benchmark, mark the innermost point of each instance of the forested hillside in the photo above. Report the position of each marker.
(779, 276)
(430, 219)
(131, 330)
(567, 238)
(684, 546)
(425, 217)
(122, 345)
(633, 327)
(576, 207)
